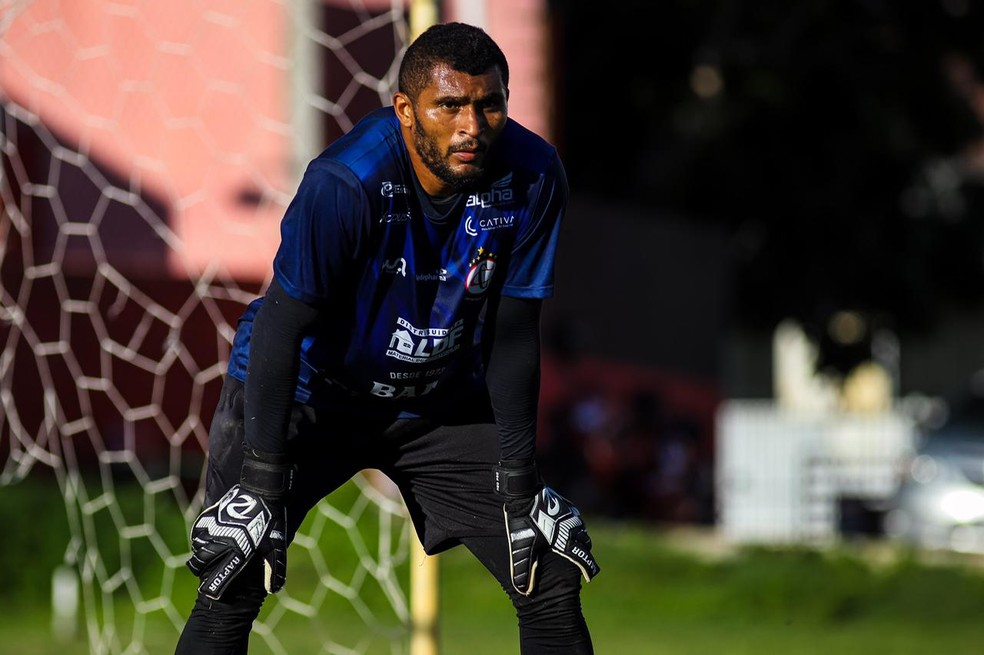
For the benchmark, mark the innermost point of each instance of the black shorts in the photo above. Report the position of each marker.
(442, 467)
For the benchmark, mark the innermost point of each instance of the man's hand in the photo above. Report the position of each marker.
(547, 520)
(247, 520)
(227, 535)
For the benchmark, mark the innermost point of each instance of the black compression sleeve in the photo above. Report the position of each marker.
(274, 360)
(513, 376)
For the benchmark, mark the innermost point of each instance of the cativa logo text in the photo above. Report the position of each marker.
(490, 198)
(485, 224)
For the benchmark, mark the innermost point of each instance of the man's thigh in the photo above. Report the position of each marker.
(445, 475)
(326, 451)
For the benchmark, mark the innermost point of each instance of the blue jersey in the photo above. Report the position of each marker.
(402, 290)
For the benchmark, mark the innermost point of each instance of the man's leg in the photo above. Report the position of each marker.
(445, 476)
(223, 627)
(550, 619)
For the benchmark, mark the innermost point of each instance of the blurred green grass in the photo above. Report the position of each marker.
(662, 590)
(683, 592)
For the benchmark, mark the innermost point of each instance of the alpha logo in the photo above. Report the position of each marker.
(491, 198)
(553, 506)
(421, 345)
(486, 224)
(480, 271)
(382, 390)
(395, 266)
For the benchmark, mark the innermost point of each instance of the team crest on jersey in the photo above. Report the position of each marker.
(480, 270)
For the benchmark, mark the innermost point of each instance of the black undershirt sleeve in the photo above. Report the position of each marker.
(274, 360)
(513, 376)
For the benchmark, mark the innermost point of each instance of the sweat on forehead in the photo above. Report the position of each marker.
(463, 47)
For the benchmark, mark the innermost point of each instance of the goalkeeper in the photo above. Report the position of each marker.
(400, 332)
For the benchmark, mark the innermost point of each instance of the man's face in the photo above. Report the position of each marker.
(451, 126)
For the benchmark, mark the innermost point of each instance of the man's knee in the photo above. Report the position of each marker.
(557, 590)
(222, 627)
(550, 620)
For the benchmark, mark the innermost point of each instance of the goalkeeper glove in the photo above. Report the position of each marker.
(537, 517)
(249, 519)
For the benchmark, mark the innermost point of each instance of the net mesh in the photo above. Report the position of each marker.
(148, 151)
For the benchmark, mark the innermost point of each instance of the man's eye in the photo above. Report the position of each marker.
(493, 106)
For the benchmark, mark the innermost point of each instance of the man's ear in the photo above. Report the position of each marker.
(403, 107)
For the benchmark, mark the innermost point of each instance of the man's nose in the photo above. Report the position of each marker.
(472, 121)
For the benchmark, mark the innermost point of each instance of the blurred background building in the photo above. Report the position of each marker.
(769, 202)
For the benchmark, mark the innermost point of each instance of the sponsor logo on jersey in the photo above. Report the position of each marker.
(473, 226)
(491, 198)
(421, 345)
(395, 217)
(480, 271)
(397, 210)
(390, 189)
(382, 390)
(395, 266)
(440, 275)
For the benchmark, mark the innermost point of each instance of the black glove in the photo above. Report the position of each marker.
(249, 519)
(537, 517)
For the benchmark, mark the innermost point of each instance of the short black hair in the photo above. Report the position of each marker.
(463, 47)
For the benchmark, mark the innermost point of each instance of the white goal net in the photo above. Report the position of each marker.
(148, 151)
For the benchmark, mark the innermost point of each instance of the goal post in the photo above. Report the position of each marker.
(424, 571)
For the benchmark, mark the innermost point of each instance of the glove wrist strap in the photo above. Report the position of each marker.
(514, 480)
(268, 474)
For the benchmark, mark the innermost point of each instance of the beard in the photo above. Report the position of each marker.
(437, 161)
